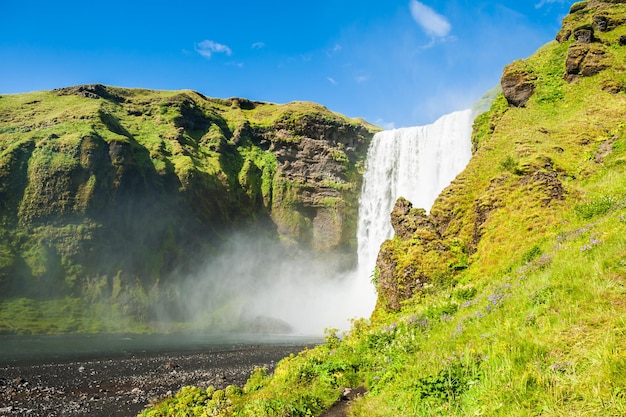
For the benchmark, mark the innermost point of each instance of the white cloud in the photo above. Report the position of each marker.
(544, 2)
(258, 45)
(331, 80)
(330, 52)
(362, 78)
(207, 48)
(429, 20)
(385, 125)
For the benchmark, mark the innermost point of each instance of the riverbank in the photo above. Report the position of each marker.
(123, 386)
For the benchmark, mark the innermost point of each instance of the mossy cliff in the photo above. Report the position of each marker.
(509, 297)
(105, 191)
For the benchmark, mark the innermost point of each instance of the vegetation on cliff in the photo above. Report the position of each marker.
(108, 196)
(509, 297)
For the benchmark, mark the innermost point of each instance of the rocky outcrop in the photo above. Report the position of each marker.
(315, 173)
(587, 27)
(401, 270)
(585, 60)
(517, 84)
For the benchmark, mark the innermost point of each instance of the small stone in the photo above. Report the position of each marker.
(346, 393)
(171, 365)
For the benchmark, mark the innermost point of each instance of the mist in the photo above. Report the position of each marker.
(255, 284)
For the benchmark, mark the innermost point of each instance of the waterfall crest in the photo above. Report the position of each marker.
(416, 163)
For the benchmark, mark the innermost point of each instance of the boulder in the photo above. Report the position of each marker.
(517, 85)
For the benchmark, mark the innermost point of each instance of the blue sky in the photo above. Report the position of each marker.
(394, 62)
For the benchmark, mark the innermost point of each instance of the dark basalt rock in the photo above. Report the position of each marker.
(585, 60)
(601, 23)
(517, 85)
(584, 34)
(94, 91)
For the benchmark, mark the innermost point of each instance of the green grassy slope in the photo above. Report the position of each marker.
(527, 315)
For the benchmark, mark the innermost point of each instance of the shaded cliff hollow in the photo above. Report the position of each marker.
(558, 124)
(103, 188)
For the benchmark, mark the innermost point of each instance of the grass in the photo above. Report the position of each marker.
(64, 315)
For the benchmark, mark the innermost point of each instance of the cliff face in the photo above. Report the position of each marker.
(558, 123)
(104, 188)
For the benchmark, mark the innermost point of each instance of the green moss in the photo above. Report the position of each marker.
(578, 6)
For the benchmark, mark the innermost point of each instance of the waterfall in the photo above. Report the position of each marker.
(416, 163)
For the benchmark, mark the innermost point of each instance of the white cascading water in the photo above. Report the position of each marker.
(416, 163)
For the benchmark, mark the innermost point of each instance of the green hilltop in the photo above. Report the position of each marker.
(509, 297)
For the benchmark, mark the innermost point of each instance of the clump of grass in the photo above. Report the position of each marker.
(595, 207)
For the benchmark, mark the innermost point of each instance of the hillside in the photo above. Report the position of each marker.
(509, 297)
(109, 197)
